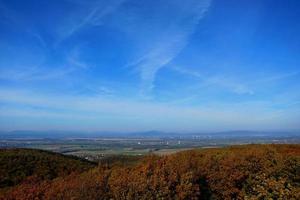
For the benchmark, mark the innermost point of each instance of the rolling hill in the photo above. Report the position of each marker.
(19, 164)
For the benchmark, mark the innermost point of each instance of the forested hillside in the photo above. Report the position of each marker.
(239, 172)
(19, 164)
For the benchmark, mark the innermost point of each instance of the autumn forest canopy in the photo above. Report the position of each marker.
(237, 172)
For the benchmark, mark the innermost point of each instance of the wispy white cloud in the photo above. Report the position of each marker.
(277, 77)
(74, 58)
(236, 85)
(95, 11)
(33, 64)
(39, 38)
(169, 40)
(227, 83)
(10, 16)
(218, 80)
(34, 74)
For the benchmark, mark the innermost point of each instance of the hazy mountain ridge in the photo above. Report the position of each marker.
(54, 134)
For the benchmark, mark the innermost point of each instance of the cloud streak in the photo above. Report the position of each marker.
(172, 37)
(218, 80)
(95, 12)
(245, 87)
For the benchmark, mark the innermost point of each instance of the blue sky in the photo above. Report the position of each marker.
(130, 65)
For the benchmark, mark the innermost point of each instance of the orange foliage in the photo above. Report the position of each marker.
(239, 172)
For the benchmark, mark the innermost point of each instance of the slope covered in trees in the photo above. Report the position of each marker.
(239, 172)
(19, 164)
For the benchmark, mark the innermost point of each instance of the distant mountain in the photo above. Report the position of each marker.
(245, 133)
(54, 134)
